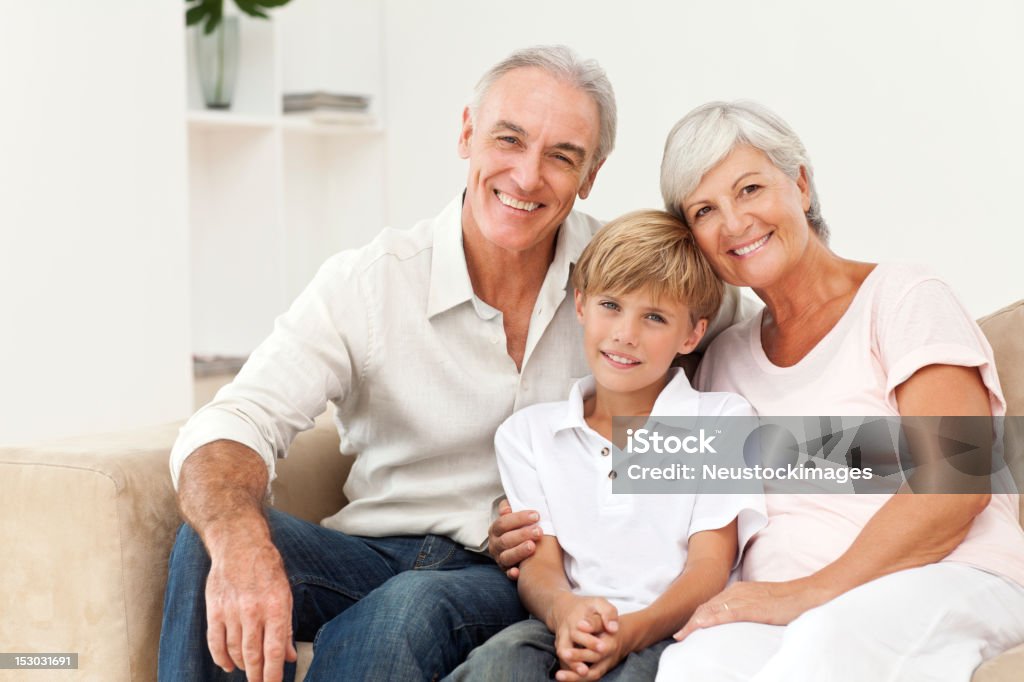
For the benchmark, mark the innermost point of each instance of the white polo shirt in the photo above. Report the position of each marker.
(625, 548)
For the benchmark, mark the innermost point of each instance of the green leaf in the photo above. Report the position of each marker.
(256, 12)
(209, 11)
(212, 11)
(195, 14)
(216, 12)
(251, 8)
(254, 8)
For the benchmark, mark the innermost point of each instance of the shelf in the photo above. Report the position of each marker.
(222, 120)
(332, 123)
(317, 123)
(272, 194)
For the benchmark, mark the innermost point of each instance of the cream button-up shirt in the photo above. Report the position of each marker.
(416, 366)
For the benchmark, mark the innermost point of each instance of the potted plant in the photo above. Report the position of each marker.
(217, 44)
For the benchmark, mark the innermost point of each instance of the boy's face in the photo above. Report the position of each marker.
(630, 339)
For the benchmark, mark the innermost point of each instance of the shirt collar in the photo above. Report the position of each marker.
(677, 399)
(574, 236)
(449, 275)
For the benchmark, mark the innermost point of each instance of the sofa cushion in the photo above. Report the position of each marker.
(1005, 331)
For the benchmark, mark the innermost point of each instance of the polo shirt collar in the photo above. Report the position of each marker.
(572, 418)
(677, 400)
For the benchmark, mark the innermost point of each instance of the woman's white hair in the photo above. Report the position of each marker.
(563, 63)
(707, 134)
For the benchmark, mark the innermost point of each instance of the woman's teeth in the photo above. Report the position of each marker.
(743, 251)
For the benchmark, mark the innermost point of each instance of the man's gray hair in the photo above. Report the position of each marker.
(563, 63)
(707, 134)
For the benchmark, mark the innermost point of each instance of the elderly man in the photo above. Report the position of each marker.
(425, 341)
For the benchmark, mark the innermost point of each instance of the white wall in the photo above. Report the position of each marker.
(93, 231)
(911, 110)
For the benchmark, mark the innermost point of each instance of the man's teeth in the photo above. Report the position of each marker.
(752, 247)
(622, 360)
(514, 203)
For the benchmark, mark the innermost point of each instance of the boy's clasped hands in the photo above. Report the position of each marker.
(590, 639)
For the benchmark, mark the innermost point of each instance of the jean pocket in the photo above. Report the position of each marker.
(438, 552)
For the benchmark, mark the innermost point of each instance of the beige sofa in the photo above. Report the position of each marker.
(87, 526)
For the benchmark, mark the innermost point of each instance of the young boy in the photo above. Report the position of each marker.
(614, 576)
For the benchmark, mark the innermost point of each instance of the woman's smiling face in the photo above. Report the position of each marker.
(749, 218)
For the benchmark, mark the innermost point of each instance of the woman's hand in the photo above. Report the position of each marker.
(512, 538)
(755, 602)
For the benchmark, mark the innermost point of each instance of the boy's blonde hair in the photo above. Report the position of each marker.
(649, 249)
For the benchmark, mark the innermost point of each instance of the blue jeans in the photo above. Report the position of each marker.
(394, 608)
(525, 652)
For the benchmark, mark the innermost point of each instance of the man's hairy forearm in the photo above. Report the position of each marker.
(221, 490)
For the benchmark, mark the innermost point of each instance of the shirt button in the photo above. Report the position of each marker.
(604, 452)
(612, 474)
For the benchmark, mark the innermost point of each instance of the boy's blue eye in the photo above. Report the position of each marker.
(610, 305)
(655, 317)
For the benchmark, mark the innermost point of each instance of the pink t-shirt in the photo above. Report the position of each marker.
(902, 319)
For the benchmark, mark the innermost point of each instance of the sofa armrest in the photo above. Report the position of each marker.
(1006, 667)
(87, 529)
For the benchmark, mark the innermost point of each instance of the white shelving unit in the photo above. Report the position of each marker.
(314, 123)
(272, 195)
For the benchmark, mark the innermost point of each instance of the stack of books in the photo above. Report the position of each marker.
(320, 101)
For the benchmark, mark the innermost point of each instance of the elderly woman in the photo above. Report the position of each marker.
(838, 587)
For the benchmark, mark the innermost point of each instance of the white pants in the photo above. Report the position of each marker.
(936, 622)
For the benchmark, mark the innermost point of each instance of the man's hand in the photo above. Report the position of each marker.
(512, 538)
(249, 612)
(248, 598)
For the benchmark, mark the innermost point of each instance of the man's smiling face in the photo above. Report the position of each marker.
(531, 152)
